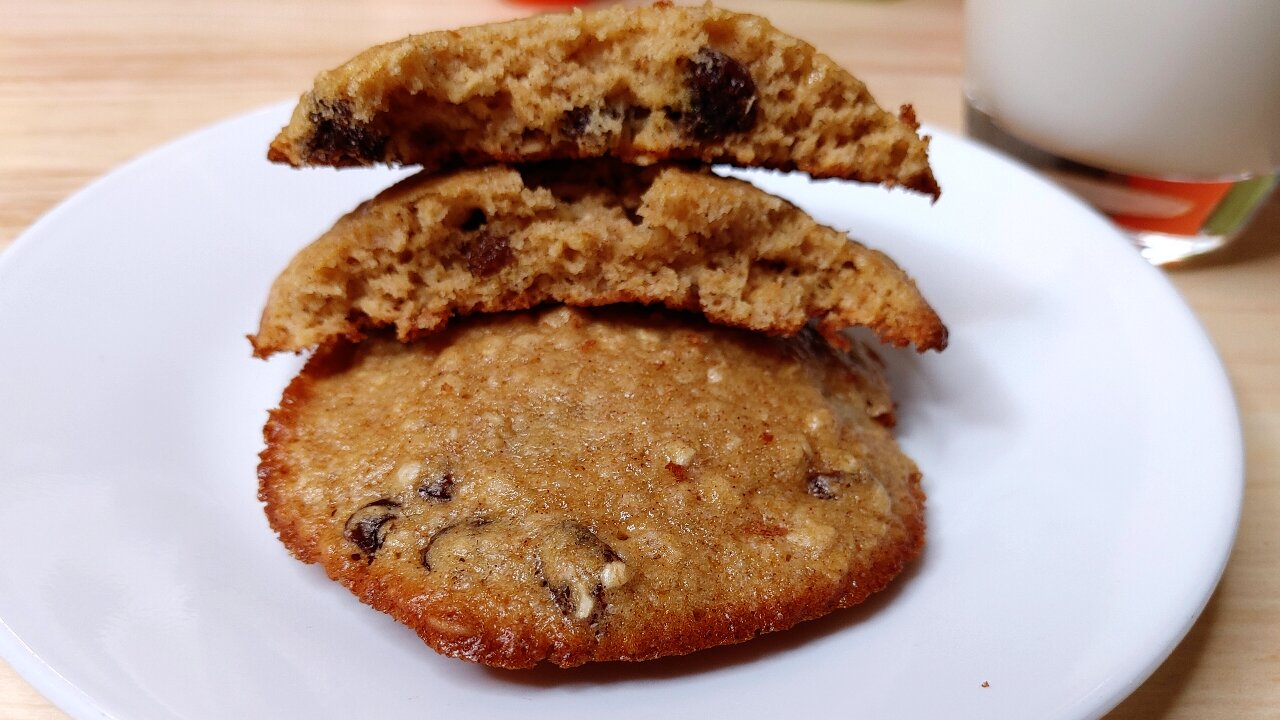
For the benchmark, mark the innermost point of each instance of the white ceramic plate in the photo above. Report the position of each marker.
(1079, 441)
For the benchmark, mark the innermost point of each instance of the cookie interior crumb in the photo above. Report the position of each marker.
(640, 84)
(587, 233)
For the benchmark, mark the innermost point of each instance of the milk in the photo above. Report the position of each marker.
(1170, 88)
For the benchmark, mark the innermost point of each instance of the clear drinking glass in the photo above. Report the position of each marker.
(1164, 114)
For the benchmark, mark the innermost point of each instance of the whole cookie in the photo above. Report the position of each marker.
(576, 485)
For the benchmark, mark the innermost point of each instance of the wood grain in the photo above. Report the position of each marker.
(88, 84)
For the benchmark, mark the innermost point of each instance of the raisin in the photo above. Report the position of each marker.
(439, 489)
(367, 527)
(338, 139)
(578, 569)
(487, 254)
(469, 526)
(575, 122)
(822, 485)
(722, 96)
(562, 596)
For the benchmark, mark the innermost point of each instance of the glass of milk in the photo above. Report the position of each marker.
(1164, 114)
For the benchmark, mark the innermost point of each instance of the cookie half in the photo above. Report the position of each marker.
(573, 486)
(640, 84)
(586, 233)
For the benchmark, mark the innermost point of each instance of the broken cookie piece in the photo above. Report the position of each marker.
(638, 84)
(586, 234)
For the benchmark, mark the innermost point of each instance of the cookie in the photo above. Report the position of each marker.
(586, 233)
(640, 84)
(582, 485)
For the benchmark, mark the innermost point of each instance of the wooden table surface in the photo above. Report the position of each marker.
(87, 84)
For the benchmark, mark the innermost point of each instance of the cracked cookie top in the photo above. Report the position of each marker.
(578, 485)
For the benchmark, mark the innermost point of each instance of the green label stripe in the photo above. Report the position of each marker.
(1238, 204)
